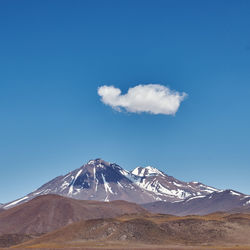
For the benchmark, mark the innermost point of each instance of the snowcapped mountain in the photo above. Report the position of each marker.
(167, 188)
(104, 181)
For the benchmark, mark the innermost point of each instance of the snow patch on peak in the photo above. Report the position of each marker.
(146, 171)
(119, 184)
(106, 185)
(98, 161)
(195, 197)
(95, 179)
(136, 171)
(73, 182)
(125, 173)
(100, 165)
(16, 202)
(152, 170)
(235, 193)
(246, 203)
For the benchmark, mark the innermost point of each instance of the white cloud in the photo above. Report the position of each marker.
(150, 98)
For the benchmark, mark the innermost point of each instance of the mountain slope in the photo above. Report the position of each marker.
(49, 212)
(227, 200)
(104, 181)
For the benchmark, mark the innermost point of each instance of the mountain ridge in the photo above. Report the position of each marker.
(222, 201)
(105, 181)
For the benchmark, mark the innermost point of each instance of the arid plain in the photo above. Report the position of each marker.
(117, 225)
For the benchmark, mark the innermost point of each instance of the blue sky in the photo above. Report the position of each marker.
(55, 54)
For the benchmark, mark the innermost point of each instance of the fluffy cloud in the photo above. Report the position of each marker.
(150, 98)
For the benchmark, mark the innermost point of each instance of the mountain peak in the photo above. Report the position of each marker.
(146, 171)
(98, 161)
